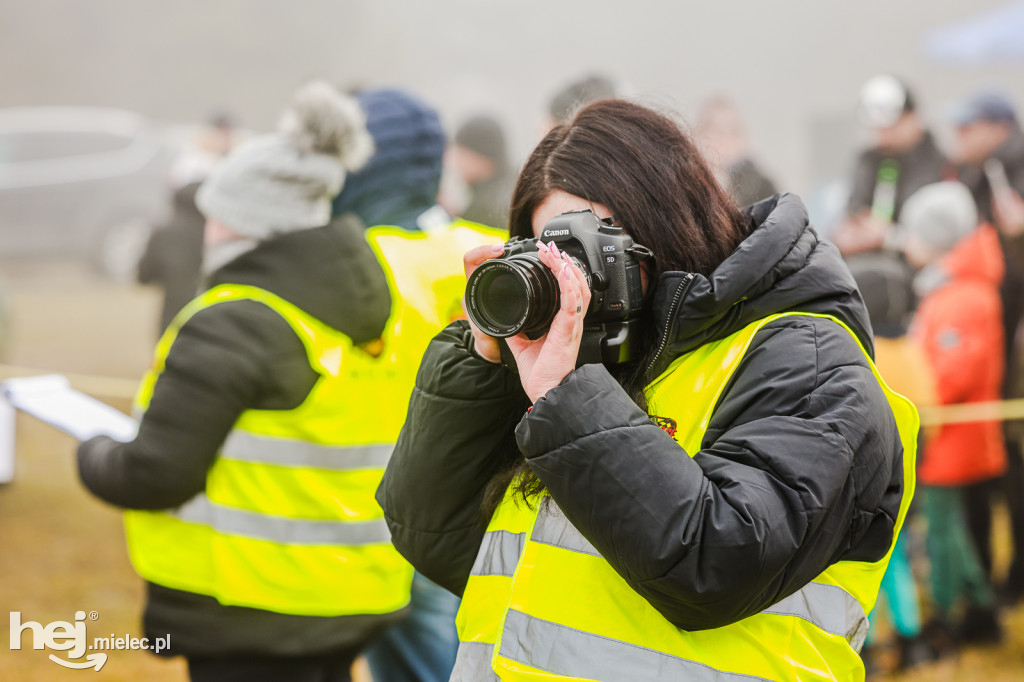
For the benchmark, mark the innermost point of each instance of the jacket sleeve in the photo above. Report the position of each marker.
(770, 500)
(216, 368)
(457, 436)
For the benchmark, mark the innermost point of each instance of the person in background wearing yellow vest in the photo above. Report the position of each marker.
(720, 507)
(262, 437)
(395, 196)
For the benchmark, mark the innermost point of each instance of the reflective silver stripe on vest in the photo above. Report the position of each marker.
(473, 663)
(249, 447)
(552, 528)
(573, 653)
(499, 553)
(281, 529)
(829, 607)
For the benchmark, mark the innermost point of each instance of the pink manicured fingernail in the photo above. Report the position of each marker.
(554, 248)
(564, 266)
(497, 248)
(541, 246)
(565, 256)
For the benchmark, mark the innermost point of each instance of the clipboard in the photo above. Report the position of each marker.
(51, 399)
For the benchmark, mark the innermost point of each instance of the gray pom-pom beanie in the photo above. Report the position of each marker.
(285, 181)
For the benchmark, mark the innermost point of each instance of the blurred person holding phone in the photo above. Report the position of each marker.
(903, 158)
(669, 456)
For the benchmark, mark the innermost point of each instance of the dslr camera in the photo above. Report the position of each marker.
(516, 293)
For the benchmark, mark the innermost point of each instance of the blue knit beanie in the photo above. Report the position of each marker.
(403, 177)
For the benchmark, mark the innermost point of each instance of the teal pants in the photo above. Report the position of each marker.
(898, 595)
(956, 571)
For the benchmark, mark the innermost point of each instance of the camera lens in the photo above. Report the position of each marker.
(503, 295)
(507, 296)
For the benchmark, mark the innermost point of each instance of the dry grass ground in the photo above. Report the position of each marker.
(62, 551)
(1004, 663)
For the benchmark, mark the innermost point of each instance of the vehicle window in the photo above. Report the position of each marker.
(37, 146)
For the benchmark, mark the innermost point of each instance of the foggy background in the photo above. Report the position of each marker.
(793, 66)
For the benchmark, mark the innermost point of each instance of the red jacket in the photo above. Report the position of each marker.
(959, 325)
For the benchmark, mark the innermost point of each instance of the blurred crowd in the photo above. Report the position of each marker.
(933, 238)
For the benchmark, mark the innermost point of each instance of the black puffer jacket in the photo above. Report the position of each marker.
(226, 359)
(800, 466)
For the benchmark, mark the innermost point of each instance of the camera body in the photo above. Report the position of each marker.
(516, 293)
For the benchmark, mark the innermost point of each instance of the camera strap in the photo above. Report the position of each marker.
(640, 252)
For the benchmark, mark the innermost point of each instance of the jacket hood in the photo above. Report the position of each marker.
(329, 272)
(782, 265)
(978, 256)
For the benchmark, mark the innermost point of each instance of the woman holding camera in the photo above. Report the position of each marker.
(722, 505)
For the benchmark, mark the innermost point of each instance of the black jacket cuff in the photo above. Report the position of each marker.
(588, 401)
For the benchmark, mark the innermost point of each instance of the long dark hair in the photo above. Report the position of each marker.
(643, 167)
(647, 171)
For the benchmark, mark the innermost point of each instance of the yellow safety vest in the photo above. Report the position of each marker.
(288, 521)
(426, 266)
(541, 602)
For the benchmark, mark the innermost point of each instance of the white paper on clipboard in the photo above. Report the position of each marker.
(51, 399)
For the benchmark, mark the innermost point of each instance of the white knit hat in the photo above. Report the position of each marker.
(285, 181)
(939, 215)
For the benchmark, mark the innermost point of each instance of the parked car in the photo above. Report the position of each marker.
(79, 181)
